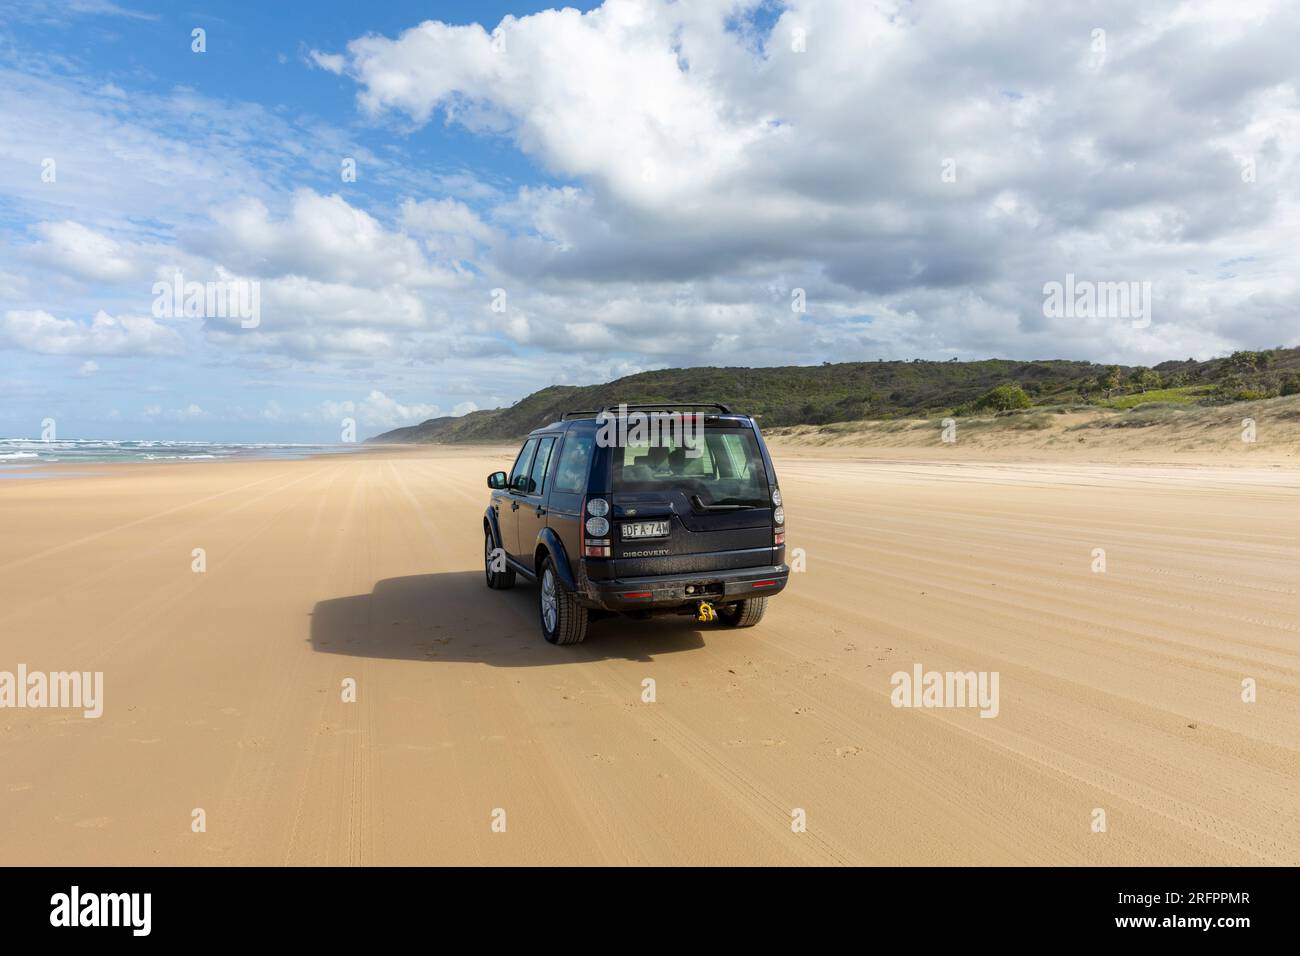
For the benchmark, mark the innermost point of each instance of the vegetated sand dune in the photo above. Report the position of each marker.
(1245, 432)
(1120, 691)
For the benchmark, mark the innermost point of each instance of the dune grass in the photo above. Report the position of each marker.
(1180, 396)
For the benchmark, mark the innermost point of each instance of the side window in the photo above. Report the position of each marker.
(519, 474)
(551, 465)
(575, 462)
(542, 459)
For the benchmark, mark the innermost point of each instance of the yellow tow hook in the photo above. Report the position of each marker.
(706, 613)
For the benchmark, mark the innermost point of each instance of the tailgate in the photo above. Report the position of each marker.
(664, 533)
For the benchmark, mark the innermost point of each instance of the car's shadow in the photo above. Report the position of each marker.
(455, 617)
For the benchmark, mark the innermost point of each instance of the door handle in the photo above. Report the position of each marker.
(540, 511)
(514, 506)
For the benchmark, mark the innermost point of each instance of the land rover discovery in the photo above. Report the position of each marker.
(639, 510)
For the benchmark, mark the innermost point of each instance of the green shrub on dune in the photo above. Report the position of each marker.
(1003, 399)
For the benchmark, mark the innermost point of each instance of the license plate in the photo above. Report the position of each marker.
(645, 529)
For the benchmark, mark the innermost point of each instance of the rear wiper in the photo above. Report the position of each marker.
(699, 505)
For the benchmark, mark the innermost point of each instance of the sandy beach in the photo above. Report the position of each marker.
(1120, 690)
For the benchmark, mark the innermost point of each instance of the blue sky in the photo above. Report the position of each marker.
(546, 196)
(254, 60)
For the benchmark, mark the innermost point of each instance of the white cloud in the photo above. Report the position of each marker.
(444, 216)
(324, 238)
(12, 285)
(38, 331)
(449, 228)
(61, 11)
(75, 249)
(188, 413)
(597, 95)
(333, 280)
(715, 157)
(333, 62)
(377, 410)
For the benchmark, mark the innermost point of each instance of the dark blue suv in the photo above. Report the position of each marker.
(640, 509)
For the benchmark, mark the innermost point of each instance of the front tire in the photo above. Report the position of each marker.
(564, 620)
(496, 580)
(744, 613)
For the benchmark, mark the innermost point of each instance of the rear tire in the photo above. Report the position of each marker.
(496, 580)
(564, 620)
(744, 613)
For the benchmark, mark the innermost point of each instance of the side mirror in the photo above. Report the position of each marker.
(497, 480)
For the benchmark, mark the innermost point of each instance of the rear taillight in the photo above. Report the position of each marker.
(764, 584)
(597, 525)
(778, 537)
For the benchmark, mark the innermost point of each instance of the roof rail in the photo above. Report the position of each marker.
(646, 406)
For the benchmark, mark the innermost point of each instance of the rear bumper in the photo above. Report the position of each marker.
(667, 591)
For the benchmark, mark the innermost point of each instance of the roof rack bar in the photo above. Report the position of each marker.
(646, 406)
(718, 405)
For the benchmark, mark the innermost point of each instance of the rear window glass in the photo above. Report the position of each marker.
(726, 469)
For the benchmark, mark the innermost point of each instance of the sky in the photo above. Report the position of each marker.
(428, 208)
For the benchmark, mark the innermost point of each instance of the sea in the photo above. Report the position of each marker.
(18, 455)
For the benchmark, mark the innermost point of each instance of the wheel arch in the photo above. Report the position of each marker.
(550, 545)
(490, 526)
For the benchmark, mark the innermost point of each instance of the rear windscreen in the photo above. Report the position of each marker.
(725, 469)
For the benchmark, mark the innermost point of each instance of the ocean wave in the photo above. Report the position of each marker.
(95, 451)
